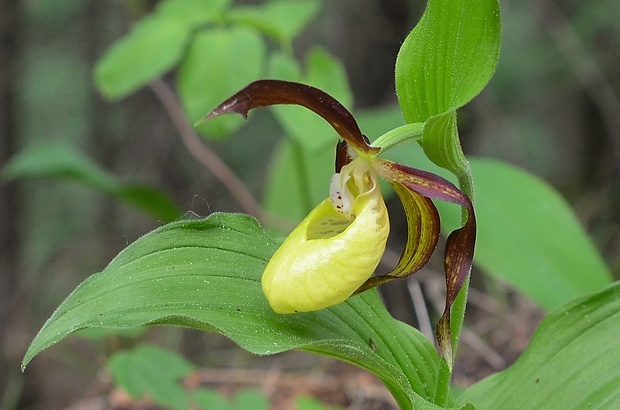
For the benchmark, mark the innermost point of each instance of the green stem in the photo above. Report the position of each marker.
(400, 135)
(466, 183)
(442, 385)
(457, 315)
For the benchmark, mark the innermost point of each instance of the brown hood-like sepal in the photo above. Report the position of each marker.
(263, 93)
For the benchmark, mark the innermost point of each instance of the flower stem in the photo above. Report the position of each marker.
(405, 133)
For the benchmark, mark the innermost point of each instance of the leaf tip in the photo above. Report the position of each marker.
(28, 356)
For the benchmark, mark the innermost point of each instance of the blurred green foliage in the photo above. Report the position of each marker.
(149, 371)
(62, 161)
(535, 113)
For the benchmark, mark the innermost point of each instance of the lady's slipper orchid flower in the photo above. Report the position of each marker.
(333, 253)
(335, 249)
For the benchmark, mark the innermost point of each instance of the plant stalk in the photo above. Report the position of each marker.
(457, 315)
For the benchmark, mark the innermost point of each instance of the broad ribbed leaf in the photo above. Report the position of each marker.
(571, 362)
(448, 58)
(529, 236)
(206, 274)
(445, 62)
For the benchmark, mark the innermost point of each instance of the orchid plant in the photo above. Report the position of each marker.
(333, 253)
(315, 291)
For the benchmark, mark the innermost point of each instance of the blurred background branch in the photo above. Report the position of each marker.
(198, 148)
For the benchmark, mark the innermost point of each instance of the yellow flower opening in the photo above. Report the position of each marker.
(334, 249)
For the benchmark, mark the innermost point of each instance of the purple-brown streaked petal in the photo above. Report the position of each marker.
(423, 230)
(343, 157)
(458, 258)
(263, 93)
(460, 244)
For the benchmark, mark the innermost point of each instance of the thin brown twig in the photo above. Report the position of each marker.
(390, 258)
(202, 153)
(421, 312)
(484, 350)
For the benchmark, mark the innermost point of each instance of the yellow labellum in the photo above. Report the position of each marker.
(332, 252)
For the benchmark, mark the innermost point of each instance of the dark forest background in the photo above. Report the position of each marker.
(552, 108)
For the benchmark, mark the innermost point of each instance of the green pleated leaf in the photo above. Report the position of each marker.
(281, 19)
(218, 63)
(571, 362)
(62, 161)
(448, 58)
(205, 274)
(529, 236)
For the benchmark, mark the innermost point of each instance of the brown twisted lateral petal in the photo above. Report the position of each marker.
(264, 93)
(423, 229)
(459, 251)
